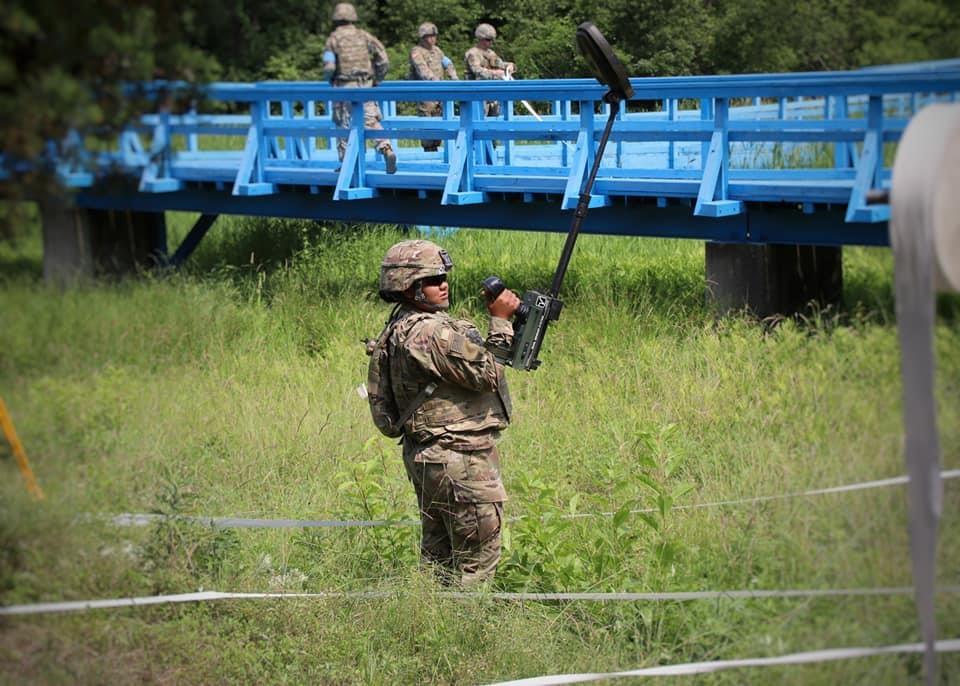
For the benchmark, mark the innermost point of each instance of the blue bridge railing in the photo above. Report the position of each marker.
(802, 157)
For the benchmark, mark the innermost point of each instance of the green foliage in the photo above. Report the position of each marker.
(301, 60)
(179, 549)
(553, 548)
(541, 551)
(366, 495)
(11, 554)
(655, 38)
(909, 30)
(62, 71)
(761, 36)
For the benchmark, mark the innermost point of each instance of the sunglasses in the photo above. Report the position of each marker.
(434, 280)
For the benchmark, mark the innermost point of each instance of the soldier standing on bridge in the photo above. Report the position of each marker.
(433, 381)
(354, 58)
(428, 63)
(484, 63)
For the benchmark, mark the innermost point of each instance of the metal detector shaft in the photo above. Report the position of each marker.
(553, 303)
(583, 204)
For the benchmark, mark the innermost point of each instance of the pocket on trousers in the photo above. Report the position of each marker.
(479, 491)
(477, 524)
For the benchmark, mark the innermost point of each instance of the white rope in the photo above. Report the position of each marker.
(200, 596)
(557, 679)
(131, 519)
(829, 655)
(863, 486)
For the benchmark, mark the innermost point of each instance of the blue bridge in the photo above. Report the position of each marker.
(793, 159)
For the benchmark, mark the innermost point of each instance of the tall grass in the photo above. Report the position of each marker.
(229, 389)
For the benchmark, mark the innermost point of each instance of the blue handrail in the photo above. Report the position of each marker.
(718, 143)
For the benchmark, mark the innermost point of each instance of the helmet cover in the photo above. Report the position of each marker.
(409, 261)
(485, 31)
(344, 11)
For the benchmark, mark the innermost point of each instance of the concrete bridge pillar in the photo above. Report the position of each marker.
(82, 243)
(772, 279)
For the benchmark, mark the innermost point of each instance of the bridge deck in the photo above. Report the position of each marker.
(749, 158)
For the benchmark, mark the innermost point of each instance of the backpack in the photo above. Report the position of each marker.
(383, 406)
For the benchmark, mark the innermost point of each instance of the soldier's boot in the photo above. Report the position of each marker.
(389, 157)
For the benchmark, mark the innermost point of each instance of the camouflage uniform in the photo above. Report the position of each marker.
(354, 58)
(428, 63)
(481, 63)
(450, 439)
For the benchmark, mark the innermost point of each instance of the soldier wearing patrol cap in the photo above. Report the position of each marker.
(452, 401)
(484, 63)
(354, 58)
(428, 63)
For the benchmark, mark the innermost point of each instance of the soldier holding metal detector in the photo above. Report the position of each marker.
(433, 381)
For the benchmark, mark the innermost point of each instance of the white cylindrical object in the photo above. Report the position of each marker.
(925, 193)
(946, 207)
(925, 236)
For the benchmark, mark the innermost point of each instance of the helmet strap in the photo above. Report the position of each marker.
(394, 312)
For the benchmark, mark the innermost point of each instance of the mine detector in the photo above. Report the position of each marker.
(537, 309)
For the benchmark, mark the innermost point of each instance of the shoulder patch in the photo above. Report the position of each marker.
(458, 344)
(466, 345)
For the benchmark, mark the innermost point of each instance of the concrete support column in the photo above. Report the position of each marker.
(772, 280)
(81, 243)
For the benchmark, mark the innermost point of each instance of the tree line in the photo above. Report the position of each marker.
(283, 39)
(65, 66)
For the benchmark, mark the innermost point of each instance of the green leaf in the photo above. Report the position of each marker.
(664, 503)
(649, 520)
(650, 483)
(622, 515)
(681, 490)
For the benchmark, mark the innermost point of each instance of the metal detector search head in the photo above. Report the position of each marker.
(604, 62)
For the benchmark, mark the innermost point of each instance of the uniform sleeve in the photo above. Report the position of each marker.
(455, 354)
(449, 67)
(476, 65)
(501, 333)
(483, 63)
(329, 58)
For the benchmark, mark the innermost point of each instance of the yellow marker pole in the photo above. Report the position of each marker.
(11, 434)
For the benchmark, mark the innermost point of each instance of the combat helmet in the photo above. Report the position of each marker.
(485, 31)
(409, 261)
(427, 29)
(344, 11)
